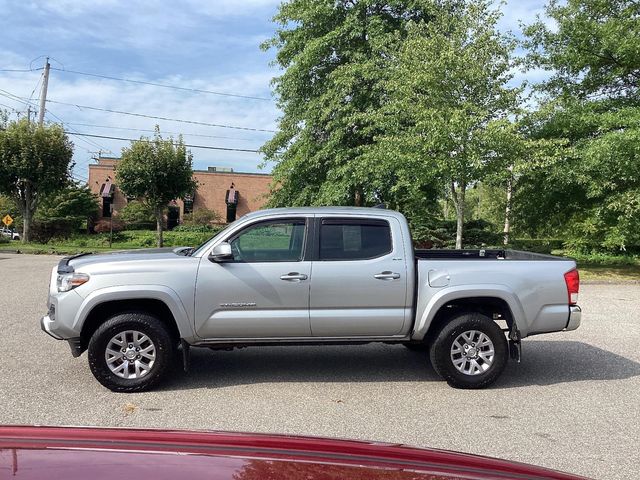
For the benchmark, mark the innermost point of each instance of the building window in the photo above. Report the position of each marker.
(188, 203)
(106, 206)
(231, 199)
(107, 192)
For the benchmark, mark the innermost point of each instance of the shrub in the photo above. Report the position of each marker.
(136, 212)
(105, 225)
(4, 239)
(198, 228)
(442, 234)
(42, 231)
(201, 216)
(537, 245)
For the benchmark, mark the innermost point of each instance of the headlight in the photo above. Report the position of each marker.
(69, 281)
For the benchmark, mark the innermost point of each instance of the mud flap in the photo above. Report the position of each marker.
(515, 350)
(515, 345)
(186, 355)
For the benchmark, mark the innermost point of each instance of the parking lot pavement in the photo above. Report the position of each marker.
(572, 404)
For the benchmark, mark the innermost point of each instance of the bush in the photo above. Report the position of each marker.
(140, 226)
(537, 245)
(42, 231)
(136, 212)
(442, 234)
(198, 228)
(105, 225)
(201, 216)
(4, 239)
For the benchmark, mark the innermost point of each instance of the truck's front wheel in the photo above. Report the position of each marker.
(470, 351)
(131, 352)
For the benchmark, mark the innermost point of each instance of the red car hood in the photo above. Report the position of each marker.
(106, 453)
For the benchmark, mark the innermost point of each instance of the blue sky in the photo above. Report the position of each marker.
(211, 45)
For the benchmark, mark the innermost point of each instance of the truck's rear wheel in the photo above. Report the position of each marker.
(470, 351)
(131, 352)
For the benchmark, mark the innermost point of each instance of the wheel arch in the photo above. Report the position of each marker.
(497, 304)
(162, 303)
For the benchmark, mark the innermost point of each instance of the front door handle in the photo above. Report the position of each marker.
(293, 276)
(387, 276)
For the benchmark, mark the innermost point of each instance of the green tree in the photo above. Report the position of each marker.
(335, 57)
(34, 162)
(592, 100)
(449, 99)
(75, 202)
(156, 171)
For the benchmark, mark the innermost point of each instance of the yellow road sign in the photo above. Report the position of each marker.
(7, 220)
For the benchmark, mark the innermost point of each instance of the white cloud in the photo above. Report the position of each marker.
(157, 102)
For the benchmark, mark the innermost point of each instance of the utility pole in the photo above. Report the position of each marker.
(43, 94)
(29, 114)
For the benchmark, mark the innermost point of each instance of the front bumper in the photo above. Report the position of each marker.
(575, 316)
(74, 343)
(45, 323)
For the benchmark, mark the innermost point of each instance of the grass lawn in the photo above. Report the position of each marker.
(609, 273)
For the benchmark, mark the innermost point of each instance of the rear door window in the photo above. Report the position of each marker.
(354, 239)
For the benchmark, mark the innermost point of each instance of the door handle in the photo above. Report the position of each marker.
(293, 276)
(387, 276)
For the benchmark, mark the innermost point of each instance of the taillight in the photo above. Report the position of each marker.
(572, 279)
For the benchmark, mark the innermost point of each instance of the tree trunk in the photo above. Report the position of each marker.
(357, 199)
(159, 226)
(507, 210)
(27, 214)
(458, 194)
(26, 226)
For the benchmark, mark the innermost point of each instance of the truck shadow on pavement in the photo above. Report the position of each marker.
(543, 363)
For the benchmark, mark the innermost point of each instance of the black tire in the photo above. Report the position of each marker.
(152, 327)
(417, 347)
(440, 352)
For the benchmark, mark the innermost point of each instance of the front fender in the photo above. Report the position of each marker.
(426, 314)
(133, 292)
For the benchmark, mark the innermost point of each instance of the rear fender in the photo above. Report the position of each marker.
(447, 295)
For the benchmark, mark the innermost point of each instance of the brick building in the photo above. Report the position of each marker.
(219, 189)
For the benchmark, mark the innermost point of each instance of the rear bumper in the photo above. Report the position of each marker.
(575, 316)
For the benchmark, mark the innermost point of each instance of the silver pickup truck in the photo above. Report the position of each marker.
(308, 276)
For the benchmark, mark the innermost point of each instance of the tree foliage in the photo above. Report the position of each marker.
(592, 100)
(74, 202)
(335, 57)
(156, 171)
(35, 161)
(449, 100)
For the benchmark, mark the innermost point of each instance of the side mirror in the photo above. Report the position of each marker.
(221, 252)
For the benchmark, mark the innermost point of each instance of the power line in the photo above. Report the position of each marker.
(193, 122)
(207, 147)
(75, 133)
(152, 131)
(163, 85)
(20, 69)
(9, 107)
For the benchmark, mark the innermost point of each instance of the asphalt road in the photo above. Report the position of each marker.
(572, 404)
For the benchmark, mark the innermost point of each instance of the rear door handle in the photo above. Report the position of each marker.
(387, 276)
(293, 276)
